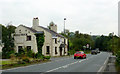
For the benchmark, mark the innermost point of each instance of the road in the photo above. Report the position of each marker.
(93, 63)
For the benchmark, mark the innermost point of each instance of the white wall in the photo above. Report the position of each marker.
(21, 40)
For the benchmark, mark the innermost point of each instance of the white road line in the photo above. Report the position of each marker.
(65, 66)
(106, 61)
(101, 68)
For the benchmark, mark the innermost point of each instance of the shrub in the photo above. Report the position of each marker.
(47, 57)
(118, 57)
(26, 59)
(29, 53)
(38, 55)
(71, 52)
(13, 57)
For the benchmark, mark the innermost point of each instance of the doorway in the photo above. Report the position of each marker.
(60, 51)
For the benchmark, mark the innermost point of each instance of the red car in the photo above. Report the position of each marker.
(79, 54)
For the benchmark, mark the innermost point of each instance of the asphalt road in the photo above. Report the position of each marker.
(93, 63)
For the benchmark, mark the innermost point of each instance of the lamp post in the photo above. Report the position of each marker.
(64, 25)
(113, 43)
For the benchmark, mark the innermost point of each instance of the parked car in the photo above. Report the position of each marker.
(93, 51)
(98, 51)
(79, 54)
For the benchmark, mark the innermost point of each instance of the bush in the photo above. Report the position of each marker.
(13, 57)
(118, 57)
(47, 57)
(26, 59)
(39, 56)
(30, 53)
(71, 52)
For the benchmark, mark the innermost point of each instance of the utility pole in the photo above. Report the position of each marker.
(64, 25)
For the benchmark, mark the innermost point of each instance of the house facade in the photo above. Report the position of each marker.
(54, 43)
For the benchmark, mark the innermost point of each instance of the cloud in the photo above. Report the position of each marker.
(96, 16)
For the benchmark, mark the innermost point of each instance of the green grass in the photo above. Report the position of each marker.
(13, 65)
(117, 66)
(6, 62)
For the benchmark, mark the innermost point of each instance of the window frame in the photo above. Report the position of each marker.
(47, 49)
(28, 38)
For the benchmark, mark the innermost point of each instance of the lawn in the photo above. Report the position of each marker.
(6, 62)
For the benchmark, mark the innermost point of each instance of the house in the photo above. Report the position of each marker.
(54, 43)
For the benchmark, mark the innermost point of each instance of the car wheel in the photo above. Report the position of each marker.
(74, 57)
(83, 57)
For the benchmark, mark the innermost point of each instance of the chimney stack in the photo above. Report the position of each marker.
(35, 22)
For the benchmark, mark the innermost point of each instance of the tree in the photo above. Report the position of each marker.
(8, 41)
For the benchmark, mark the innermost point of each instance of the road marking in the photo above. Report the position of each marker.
(49, 62)
(101, 68)
(65, 66)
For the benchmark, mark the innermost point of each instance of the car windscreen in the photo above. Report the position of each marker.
(79, 52)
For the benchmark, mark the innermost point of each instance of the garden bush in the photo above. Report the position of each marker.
(118, 57)
(47, 57)
(26, 59)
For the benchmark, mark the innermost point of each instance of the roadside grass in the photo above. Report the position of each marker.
(117, 66)
(11, 64)
(6, 62)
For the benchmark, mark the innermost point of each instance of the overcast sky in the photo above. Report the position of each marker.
(96, 16)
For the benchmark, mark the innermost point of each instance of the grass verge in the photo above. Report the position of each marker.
(117, 66)
(14, 65)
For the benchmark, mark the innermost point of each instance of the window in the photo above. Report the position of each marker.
(28, 48)
(28, 38)
(55, 41)
(64, 51)
(19, 31)
(64, 41)
(47, 50)
(20, 50)
(55, 50)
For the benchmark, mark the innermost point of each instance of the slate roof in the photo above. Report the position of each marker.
(48, 30)
(33, 30)
(52, 32)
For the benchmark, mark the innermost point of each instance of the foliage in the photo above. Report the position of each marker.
(80, 40)
(40, 41)
(8, 41)
(118, 57)
(26, 59)
(39, 56)
(71, 52)
(107, 43)
(47, 57)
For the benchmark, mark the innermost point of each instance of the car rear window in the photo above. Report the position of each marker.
(79, 52)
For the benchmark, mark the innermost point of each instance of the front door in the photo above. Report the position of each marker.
(60, 51)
